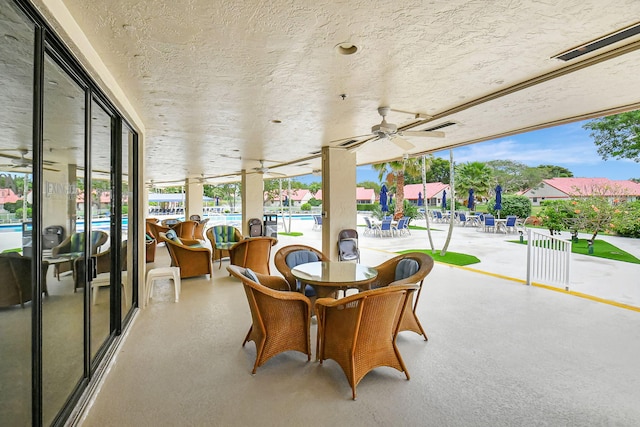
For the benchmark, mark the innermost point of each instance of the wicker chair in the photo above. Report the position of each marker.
(198, 233)
(402, 270)
(192, 260)
(253, 253)
(15, 286)
(222, 237)
(281, 319)
(359, 331)
(73, 246)
(284, 263)
(186, 229)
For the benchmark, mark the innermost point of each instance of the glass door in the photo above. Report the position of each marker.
(102, 241)
(63, 311)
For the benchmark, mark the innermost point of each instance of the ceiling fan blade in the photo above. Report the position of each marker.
(359, 147)
(402, 143)
(430, 133)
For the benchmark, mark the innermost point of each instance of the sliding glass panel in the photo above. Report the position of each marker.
(127, 218)
(101, 189)
(63, 247)
(16, 95)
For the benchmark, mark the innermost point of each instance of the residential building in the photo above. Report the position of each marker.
(567, 188)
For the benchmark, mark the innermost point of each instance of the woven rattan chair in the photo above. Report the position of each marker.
(253, 253)
(222, 237)
(186, 229)
(284, 267)
(359, 332)
(391, 272)
(193, 260)
(281, 319)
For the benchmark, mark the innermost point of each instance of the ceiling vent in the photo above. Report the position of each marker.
(599, 43)
(348, 143)
(440, 126)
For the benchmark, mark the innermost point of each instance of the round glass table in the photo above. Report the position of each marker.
(326, 277)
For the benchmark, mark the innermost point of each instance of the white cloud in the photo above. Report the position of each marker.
(532, 154)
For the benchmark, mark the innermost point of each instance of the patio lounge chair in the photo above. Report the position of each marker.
(385, 227)
(359, 332)
(281, 319)
(371, 229)
(73, 247)
(510, 225)
(317, 222)
(402, 227)
(489, 223)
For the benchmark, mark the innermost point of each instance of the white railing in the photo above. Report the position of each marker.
(548, 259)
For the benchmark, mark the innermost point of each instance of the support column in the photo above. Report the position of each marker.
(193, 198)
(338, 197)
(252, 199)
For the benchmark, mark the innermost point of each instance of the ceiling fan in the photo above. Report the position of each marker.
(263, 170)
(23, 162)
(390, 131)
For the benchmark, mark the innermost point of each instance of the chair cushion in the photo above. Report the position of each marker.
(77, 242)
(406, 268)
(300, 257)
(248, 273)
(171, 235)
(223, 234)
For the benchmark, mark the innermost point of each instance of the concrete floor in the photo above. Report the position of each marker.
(499, 354)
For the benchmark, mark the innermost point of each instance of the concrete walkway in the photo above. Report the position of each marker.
(610, 280)
(499, 354)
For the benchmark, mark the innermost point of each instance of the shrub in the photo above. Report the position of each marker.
(626, 219)
(556, 214)
(315, 202)
(519, 206)
(306, 207)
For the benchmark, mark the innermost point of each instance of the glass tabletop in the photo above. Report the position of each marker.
(334, 273)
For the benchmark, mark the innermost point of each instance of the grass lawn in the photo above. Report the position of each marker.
(601, 249)
(417, 227)
(453, 258)
(293, 233)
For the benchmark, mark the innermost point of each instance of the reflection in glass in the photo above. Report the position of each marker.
(16, 94)
(62, 209)
(100, 224)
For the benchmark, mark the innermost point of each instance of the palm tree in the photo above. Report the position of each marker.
(393, 173)
(476, 175)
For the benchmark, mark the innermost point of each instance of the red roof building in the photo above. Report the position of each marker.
(567, 188)
(434, 192)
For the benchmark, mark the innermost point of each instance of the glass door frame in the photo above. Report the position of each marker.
(47, 43)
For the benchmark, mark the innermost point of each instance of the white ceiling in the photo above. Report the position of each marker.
(207, 77)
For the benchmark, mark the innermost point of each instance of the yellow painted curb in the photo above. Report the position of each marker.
(550, 288)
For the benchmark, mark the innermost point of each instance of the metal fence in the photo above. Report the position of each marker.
(548, 259)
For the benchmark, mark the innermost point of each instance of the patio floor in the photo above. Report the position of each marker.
(499, 353)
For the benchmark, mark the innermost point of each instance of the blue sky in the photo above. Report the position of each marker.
(569, 146)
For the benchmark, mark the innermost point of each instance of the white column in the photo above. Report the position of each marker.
(193, 198)
(252, 199)
(338, 196)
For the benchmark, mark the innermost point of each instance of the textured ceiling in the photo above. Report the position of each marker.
(208, 77)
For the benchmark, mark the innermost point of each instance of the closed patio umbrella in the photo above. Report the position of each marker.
(420, 198)
(444, 200)
(471, 203)
(498, 206)
(383, 199)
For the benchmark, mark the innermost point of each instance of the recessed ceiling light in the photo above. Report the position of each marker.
(276, 121)
(53, 83)
(346, 48)
(10, 37)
